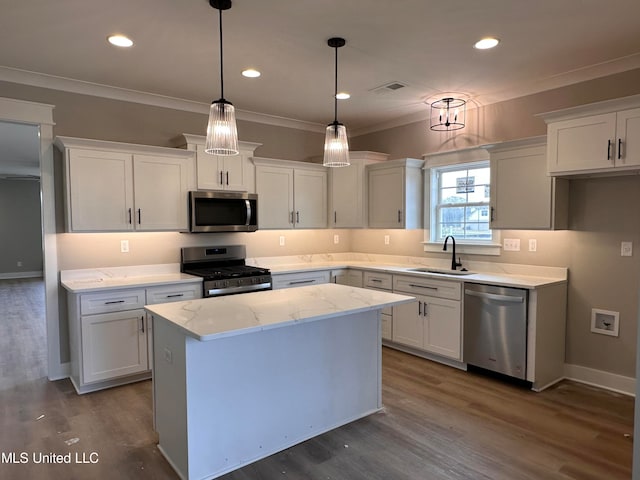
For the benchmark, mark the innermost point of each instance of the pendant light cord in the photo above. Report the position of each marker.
(335, 93)
(221, 59)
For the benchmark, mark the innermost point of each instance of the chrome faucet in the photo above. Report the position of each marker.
(454, 264)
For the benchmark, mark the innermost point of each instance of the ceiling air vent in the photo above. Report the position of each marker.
(388, 87)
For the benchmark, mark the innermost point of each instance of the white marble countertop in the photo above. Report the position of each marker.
(519, 277)
(110, 278)
(217, 317)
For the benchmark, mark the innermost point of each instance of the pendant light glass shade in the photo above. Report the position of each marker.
(336, 146)
(222, 134)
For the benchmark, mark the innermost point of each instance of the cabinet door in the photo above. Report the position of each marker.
(161, 192)
(310, 198)
(274, 186)
(100, 191)
(209, 173)
(408, 324)
(386, 198)
(236, 174)
(521, 189)
(113, 345)
(581, 144)
(442, 327)
(628, 131)
(346, 197)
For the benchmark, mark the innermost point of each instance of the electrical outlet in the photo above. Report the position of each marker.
(387, 239)
(511, 245)
(282, 240)
(336, 239)
(533, 245)
(19, 263)
(124, 246)
(626, 249)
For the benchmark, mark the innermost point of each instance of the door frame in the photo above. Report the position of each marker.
(41, 115)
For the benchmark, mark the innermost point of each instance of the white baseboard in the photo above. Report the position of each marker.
(10, 275)
(598, 378)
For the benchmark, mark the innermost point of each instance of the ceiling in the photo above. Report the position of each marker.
(424, 44)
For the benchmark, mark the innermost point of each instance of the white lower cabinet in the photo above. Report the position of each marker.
(384, 283)
(433, 322)
(347, 276)
(113, 345)
(110, 333)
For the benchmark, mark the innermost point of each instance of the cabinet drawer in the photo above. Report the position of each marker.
(428, 286)
(290, 280)
(173, 293)
(113, 301)
(378, 280)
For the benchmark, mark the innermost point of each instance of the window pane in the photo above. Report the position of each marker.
(469, 190)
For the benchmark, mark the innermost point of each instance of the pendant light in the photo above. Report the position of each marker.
(336, 147)
(448, 114)
(222, 134)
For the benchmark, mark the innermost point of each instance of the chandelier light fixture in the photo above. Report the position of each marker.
(448, 114)
(222, 134)
(336, 146)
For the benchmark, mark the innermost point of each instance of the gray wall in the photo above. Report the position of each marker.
(604, 211)
(20, 227)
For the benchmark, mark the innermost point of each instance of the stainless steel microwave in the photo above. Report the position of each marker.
(212, 211)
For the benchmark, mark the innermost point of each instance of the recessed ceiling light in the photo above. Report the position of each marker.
(120, 41)
(343, 96)
(486, 43)
(251, 73)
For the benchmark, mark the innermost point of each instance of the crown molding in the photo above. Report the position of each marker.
(41, 80)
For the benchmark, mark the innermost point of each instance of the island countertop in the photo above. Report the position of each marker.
(210, 318)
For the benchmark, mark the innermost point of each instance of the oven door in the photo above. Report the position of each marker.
(223, 212)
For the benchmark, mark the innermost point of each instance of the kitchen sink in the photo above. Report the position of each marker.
(441, 271)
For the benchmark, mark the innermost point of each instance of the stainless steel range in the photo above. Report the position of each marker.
(223, 270)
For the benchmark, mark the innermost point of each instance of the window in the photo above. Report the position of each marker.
(460, 197)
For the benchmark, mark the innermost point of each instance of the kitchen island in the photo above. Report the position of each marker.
(240, 377)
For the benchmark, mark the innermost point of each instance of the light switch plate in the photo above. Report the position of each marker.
(533, 245)
(282, 240)
(336, 239)
(124, 246)
(626, 249)
(386, 239)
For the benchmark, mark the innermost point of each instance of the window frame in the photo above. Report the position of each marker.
(456, 160)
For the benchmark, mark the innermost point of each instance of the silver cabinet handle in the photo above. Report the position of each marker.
(399, 216)
(423, 286)
(227, 178)
(221, 173)
(129, 216)
(608, 149)
(292, 221)
(299, 282)
(335, 217)
(113, 301)
(377, 280)
(424, 310)
(492, 215)
(419, 308)
(142, 323)
(175, 295)
(139, 216)
(298, 217)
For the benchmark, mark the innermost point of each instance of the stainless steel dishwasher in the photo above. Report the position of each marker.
(495, 329)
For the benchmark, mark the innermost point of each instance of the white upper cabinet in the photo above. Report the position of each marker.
(348, 190)
(291, 194)
(599, 138)
(523, 196)
(215, 172)
(395, 194)
(113, 187)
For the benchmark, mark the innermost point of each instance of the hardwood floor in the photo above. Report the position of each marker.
(438, 423)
